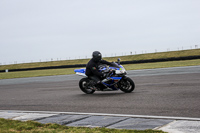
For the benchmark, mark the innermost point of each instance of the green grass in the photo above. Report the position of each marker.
(158, 55)
(13, 126)
(123, 58)
(167, 64)
(66, 71)
(36, 73)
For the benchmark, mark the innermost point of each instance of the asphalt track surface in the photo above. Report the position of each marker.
(159, 92)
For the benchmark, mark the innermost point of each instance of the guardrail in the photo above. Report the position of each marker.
(122, 62)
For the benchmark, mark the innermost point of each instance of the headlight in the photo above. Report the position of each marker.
(122, 70)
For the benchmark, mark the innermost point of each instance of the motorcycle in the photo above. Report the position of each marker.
(116, 79)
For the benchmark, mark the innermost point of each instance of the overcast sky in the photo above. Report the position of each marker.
(34, 30)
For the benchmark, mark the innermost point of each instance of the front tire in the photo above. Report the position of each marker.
(127, 85)
(84, 86)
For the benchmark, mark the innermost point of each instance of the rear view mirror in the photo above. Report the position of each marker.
(118, 60)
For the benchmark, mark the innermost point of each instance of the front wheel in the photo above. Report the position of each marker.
(84, 84)
(126, 85)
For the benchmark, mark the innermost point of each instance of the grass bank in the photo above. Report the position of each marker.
(160, 55)
(13, 126)
(50, 72)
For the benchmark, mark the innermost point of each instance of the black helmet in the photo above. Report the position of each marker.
(96, 55)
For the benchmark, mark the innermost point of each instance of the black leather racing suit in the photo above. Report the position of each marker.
(92, 70)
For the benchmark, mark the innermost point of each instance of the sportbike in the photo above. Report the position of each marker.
(116, 79)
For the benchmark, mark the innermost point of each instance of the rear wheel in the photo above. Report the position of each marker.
(127, 85)
(84, 85)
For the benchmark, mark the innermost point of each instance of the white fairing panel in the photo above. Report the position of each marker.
(81, 74)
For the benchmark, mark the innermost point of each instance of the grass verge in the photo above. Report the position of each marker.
(66, 71)
(14, 126)
(158, 55)
(162, 64)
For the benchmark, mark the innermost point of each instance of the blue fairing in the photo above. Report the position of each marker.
(80, 70)
(116, 78)
(111, 84)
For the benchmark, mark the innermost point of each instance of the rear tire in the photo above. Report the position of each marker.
(84, 86)
(127, 85)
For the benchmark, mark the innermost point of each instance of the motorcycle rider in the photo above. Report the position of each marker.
(92, 67)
